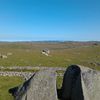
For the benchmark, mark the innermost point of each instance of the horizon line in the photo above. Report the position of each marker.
(49, 40)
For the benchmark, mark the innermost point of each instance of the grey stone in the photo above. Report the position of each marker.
(80, 83)
(41, 86)
(91, 84)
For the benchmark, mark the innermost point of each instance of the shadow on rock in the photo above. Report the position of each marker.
(71, 86)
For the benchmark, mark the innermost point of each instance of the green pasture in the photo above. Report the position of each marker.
(61, 54)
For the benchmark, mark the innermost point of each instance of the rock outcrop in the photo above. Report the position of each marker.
(41, 86)
(80, 83)
(90, 84)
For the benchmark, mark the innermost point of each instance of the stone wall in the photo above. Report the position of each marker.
(32, 68)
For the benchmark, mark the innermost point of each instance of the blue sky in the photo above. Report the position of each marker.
(37, 20)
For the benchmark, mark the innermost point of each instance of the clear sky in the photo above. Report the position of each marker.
(36, 20)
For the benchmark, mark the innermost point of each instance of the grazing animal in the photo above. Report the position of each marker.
(9, 53)
(3, 56)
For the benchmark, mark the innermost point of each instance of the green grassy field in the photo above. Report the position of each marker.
(62, 54)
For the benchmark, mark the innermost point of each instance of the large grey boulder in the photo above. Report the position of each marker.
(80, 83)
(41, 86)
(90, 84)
